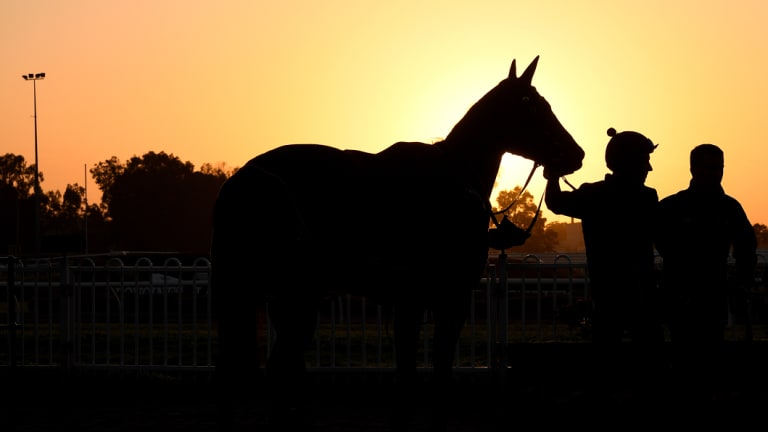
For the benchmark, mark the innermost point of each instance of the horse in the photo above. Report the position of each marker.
(407, 226)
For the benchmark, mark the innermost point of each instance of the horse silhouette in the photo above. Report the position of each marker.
(407, 227)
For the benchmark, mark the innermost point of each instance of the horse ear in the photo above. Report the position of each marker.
(528, 74)
(512, 73)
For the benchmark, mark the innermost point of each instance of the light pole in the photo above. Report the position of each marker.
(34, 78)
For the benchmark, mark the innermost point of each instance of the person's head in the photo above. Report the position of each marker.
(628, 154)
(707, 163)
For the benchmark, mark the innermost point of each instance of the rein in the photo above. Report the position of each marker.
(507, 234)
(538, 208)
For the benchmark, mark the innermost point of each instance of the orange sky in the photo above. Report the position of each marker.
(221, 81)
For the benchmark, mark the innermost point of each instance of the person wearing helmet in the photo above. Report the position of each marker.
(617, 215)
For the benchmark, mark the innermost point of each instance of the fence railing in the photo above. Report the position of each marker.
(140, 312)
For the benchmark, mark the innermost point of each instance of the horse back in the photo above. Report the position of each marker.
(393, 213)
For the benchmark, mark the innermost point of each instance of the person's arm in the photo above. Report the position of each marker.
(744, 244)
(744, 252)
(561, 202)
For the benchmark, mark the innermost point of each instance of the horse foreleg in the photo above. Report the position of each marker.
(407, 326)
(449, 322)
(448, 327)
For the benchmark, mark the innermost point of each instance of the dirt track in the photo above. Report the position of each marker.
(542, 387)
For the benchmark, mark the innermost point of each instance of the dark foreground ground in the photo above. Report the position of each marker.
(546, 387)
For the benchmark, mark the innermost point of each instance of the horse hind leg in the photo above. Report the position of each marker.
(254, 229)
(239, 380)
(294, 322)
(239, 346)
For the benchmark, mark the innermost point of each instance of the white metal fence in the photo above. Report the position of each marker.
(153, 312)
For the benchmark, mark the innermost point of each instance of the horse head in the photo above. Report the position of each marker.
(514, 118)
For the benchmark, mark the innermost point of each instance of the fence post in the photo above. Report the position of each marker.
(67, 322)
(502, 317)
(12, 321)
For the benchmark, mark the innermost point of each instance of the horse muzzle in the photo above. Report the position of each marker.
(562, 164)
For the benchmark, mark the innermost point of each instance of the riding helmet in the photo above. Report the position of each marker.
(627, 146)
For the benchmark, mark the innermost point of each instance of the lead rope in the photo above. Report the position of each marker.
(538, 209)
(567, 182)
(536, 216)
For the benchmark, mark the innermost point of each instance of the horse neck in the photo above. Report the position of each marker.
(477, 167)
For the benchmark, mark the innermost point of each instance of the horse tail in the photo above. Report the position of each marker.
(254, 227)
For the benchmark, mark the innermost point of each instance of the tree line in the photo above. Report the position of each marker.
(155, 202)
(159, 203)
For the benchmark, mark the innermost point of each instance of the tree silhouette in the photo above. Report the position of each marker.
(15, 173)
(157, 202)
(17, 205)
(104, 174)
